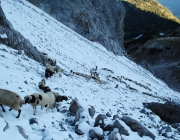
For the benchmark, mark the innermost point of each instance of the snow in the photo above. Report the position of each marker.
(72, 52)
(3, 35)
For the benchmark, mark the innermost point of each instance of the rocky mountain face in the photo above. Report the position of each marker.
(145, 16)
(14, 39)
(156, 45)
(97, 20)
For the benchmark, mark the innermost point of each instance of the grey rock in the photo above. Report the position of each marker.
(97, 20)
(99, 121)
(169, 111)
(175, 125)
(116, 117)
(118, 125)
(78, 115)
(32, 121)
(164, 132)
(74, 106)
(77, 130)
(108, 114)
(138, 127)
(93, 135)
(92, 111)
(108, 127)
(113, 135)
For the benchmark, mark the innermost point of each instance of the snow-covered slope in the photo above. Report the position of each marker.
(72, 52)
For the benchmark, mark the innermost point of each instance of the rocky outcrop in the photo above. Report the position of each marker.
(138, 127)
(169, 111)
(97, 20)
(13, 39)
(145, 16)
(160, 56)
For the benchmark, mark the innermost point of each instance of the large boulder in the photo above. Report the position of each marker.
(138, 127)
(97, 20)
(169, 111)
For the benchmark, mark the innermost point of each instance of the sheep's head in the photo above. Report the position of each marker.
(27, 99)
(30, 99)
(61, 98)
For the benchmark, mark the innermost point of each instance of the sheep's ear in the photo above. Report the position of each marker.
(33, 99)
(40, 97)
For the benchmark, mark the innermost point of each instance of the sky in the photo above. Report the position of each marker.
(172, 5)
(73, 52)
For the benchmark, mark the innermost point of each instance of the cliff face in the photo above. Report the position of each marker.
(146, 19)
(145, 16)
(97, 20)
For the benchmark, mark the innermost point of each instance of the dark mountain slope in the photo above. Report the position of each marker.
(138, 20)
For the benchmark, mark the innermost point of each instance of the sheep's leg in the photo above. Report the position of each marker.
(19, 112)
(2, 108)
(47, 106)
(34, 109)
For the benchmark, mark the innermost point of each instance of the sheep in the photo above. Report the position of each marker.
(40, 99)
(59, 99)
(48, 59)
(46, 89)
(42, 84)
(11, 99)
(50, 70)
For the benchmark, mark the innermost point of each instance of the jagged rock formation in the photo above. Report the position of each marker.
(13, 39)
(97, 20)
(147, 15)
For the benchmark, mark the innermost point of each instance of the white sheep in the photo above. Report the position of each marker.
(40, 99)
(11, 99)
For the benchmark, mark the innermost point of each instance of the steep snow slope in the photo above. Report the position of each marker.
(72, 52)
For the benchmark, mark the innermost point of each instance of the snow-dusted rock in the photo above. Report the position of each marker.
(138, 127)
(169, 111)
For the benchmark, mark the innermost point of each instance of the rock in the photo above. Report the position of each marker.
(99, 121)
(169, 111)
(81, 116)
(114, 135)
(74, 106)
(97, 20)
(32, 121)
(116, 117)
(118, 125)
(93, 135)
(165, 132)
(81, 128)
(137, 127)
(92, 111)
(108, 127)
(108, 114)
